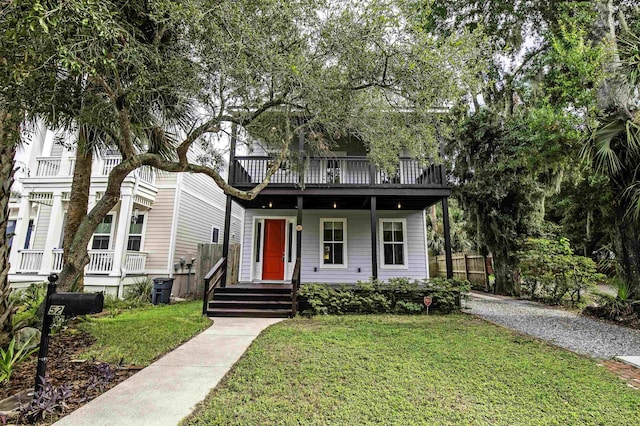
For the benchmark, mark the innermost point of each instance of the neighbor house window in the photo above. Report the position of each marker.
(134, 243)
(393, 234)
(29, 236)
(11, 229)
(102, 234)
(215, 235)
(333, 242)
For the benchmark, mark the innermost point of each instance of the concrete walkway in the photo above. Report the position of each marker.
(168, 390)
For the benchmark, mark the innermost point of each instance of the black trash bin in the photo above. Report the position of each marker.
(161, 290)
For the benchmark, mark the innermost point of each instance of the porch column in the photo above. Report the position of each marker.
(227, 237)
(227, 212)
(447, 237)
(374, 238)
(53, 234)
(20, 233)
(122, 231)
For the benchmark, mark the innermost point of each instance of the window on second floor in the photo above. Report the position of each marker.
(102, 235)
(215, 235)
(134, 242)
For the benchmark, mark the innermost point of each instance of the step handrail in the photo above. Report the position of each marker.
(295, 285)
(214, 275)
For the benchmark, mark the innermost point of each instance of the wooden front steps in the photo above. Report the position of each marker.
(251, 300)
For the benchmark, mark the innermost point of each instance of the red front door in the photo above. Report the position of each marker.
(273, 259)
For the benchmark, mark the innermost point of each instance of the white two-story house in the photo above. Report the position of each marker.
(160, 219)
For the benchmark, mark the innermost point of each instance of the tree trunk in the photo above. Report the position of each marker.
(77, 256)
(9, 138)
(503, 272)
(78, 205)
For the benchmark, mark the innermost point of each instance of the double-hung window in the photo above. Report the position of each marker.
(134, 242)
(393, 239)
(333, 242)
(102, 234)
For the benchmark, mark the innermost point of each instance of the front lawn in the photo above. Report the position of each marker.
(141, 335)
(413, 370)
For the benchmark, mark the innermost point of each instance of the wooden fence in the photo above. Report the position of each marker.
(468, 266)
(208, 255)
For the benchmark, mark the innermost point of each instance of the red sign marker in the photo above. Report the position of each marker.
(427, 301)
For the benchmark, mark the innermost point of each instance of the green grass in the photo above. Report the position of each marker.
(141, 335)
(403, 370)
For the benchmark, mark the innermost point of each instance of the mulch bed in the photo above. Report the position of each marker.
(86, 379)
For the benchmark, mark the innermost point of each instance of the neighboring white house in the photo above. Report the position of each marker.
(160, 218)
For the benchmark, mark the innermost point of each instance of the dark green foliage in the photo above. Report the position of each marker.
(551, 272)
(398, 295)
(28, 302)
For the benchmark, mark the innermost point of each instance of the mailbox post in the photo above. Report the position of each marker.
(44, 336)
(67, 304)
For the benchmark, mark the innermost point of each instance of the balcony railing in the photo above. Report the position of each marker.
(100, 262)
(30, 261)
(48, 166)
(56, 261)
(337, 171)
(134, 262)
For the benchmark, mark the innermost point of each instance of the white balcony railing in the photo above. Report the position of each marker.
(108, 163)
(145, 174)
(100, 262)
(30, 261)
(56, 260)
(135, 262)
(48, 166)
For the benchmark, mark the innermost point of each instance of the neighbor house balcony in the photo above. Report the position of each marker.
(321, 172)
(100, 262)
(63, 167)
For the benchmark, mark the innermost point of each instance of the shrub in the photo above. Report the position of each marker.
(12, 357)
(398, 295)
(552, 273)
(28, 302)
(140, 291)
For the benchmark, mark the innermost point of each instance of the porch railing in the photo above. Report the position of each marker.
(295, 286)
(212, 280)
(337, 171)
(135, 262)
(30, 261)
(100, 262)
(56, 262)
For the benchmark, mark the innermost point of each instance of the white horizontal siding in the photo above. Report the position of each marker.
(195, 223)
(358, 245)
(157, 237)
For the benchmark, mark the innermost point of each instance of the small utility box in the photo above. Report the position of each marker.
(161, 290)
(73, 304)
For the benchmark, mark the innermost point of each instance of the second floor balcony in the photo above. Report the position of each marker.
(63, 167)
(334, 172)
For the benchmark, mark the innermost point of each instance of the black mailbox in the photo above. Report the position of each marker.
(72, 304)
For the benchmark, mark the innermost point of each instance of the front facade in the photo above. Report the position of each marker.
(343, 219)
(153, 231)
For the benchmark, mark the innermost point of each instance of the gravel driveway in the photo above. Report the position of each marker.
(579, 334)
